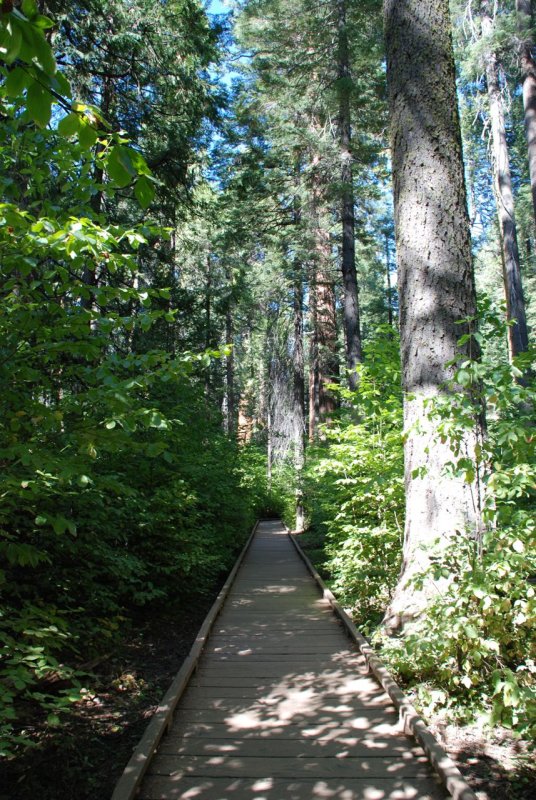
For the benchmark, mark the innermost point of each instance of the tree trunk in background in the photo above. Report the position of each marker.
(323, 307)
(298, 395)
(229, 374)
(515, 304)
(354, 355)
(389, 287)
(89, 276)
(435, 278)
(208, 302)
(528, 82)
(328, 363)
(314, 408)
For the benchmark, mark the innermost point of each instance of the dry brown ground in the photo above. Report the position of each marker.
(84, 757)
(497, 765)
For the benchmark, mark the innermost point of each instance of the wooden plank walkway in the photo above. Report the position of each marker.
(281, 705)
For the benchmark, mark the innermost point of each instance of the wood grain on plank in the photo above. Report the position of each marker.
(159, 788)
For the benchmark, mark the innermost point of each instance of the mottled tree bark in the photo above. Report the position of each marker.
(314, 410)
(502, 179)
(352, 332)
(298, 367)
(389, 286)
(435, 278)
(324, 362)
(528, 82)
(229, 376)
(326, 325)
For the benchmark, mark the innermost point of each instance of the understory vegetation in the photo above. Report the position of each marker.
(472, 652)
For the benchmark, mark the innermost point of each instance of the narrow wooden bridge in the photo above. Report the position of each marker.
(281, 704)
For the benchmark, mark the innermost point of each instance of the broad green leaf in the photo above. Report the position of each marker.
(41, 52)
(87, 135)
(119, 166)
(69, 125)
(39, 103)
(60, 84)
(29, 8)
(40, 21)
(16, 82)
(144, 191)
(10, 41)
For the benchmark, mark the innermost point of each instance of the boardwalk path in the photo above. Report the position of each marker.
(281, 707)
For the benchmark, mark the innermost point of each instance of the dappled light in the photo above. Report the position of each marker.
(282, 703)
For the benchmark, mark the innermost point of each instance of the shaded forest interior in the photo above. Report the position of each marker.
(263, 258)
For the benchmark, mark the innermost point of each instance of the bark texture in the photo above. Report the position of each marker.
(502, 179)
(352, 332)
(298, 394)
(324, 361)
(229, 399)
(327, 362)
(528, 82)
(435, 277)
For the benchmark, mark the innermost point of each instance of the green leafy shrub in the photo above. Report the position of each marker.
(473, 650)
(119, 488)
(354, 486)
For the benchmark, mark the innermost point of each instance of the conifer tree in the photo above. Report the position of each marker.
(524, 12)
(515, 303)
(435, 278)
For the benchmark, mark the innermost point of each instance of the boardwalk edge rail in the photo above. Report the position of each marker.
(447, 770)
(130, 781)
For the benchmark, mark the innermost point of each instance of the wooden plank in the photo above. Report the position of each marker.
(289, 748)
(310, 660)
(353, 689)
(377, 734)
(275, 581)
(260, 669)
(304, 702)
(239, 766)
(322, 649)
(269, 684)
(276, 604)
(265, 718)
(325, 633)
(159, 788)
(261, 630)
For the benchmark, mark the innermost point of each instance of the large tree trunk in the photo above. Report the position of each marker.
(528, 82)
(229, 374)
(314, 408)
(515, 304)
(298, 368)
(389, 286)
(435, 278)
(326, 327)
(324, 362)
(352, 332)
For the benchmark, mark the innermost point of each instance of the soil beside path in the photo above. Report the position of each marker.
(84, 757)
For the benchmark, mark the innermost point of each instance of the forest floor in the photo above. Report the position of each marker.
(84, 757)
(495, 764)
